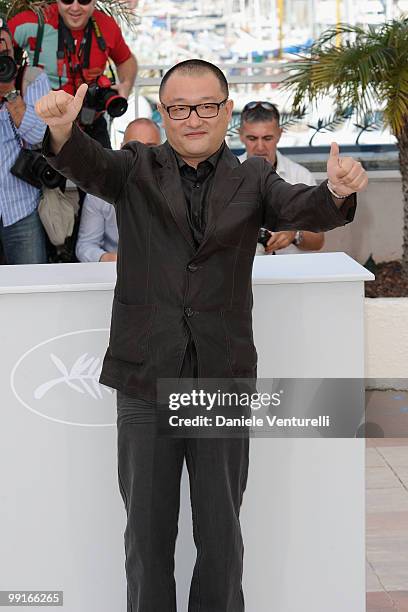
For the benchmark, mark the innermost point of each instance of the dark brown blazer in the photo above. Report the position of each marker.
(163, 283)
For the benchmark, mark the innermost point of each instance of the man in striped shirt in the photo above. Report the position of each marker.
(21, 231)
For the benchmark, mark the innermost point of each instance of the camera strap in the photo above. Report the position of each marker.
(20, 78)
(77, 61)
(16, 134)
(39, 38)
(113, 78)
(99, 38)
(66, 49)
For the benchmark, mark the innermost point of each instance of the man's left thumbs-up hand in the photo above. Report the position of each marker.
(345, 174)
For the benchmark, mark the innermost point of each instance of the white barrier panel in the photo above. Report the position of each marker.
(61, 515)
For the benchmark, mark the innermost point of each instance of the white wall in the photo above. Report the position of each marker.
(377, 227)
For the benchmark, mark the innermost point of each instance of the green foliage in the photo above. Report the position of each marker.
(369, 67)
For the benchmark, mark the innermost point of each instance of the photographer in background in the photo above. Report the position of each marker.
(21, 230)
(260, 133)
(73, 42)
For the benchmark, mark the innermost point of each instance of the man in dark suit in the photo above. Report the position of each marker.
(188, 217)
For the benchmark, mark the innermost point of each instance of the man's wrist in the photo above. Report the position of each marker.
(128, 85)
(298, 239)
(334, 193)
(58, 136)
(11, 96)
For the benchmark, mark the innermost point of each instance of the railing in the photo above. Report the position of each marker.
(262, 73)
(273, 74)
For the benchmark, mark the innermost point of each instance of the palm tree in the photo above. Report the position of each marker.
(368, 67)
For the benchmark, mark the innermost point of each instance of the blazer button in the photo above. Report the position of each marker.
(192, 267)
(188, 311)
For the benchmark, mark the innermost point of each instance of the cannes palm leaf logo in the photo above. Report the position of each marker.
(82, 377)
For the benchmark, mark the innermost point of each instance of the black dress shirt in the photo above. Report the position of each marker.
(197, 184)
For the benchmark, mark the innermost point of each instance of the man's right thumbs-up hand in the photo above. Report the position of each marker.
(59, 108)
(345, 174)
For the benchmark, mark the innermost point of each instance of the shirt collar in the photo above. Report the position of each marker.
(213, 159)
(280, 164)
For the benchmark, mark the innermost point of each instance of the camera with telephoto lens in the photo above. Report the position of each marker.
(101, 97)
(31, 167)
(264, 236)
(8, 68)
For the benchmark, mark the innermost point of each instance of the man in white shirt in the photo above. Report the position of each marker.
(98, 230)
(260, 133)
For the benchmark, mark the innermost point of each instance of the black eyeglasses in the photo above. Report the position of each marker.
(178, 112)
(81, 2)
(263, 103)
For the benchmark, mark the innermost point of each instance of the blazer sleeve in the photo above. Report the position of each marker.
(293, 207)
(96, 170)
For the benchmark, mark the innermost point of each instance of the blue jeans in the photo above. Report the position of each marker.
(24, 241)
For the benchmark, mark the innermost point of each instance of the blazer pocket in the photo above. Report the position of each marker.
(247, 204)
(245, 198)
(130, 331)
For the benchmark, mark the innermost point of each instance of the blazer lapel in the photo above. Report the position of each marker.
(172, 190)
(226, 182)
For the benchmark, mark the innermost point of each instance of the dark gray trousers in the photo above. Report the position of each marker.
(149, 469)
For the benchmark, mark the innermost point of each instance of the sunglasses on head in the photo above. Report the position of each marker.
(263, 103)
(81, 2)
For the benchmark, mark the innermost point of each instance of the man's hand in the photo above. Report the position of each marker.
(123, 89)
(108, 257)
(5, 88)
(58, 109)
(345, 174)
(279, 240)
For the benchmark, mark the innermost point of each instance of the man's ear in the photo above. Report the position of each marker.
(229, 105)
(160, 109)
(280, 134)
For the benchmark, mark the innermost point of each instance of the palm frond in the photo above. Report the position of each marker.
(329, 124)
(372, 120)
(368, 67)
(289, 119)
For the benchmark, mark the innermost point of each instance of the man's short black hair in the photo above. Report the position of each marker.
(196, 67)
(260, 115)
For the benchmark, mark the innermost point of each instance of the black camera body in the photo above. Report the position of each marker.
(99, 98)
(264, 236)
(31, 167)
